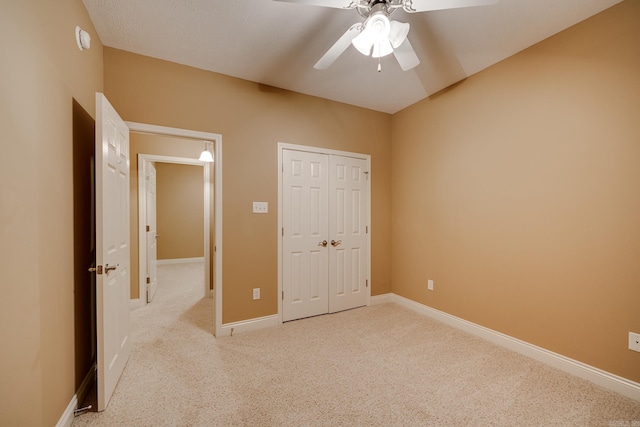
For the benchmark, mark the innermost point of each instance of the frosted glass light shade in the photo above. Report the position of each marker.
(362, 43)
(379, 27)
(382, 48)
(206, 156)
(398, 33)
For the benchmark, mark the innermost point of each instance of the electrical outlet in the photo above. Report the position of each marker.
(430, 284)
(261, 207)
(256, 293)
(634, 341)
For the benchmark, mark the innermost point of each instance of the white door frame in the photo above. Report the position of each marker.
(217, 194)
(284, 146)
(143, 221)
(143, 164)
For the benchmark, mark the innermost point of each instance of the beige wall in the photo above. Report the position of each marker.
(252, 119)
(518, 192)
(42, 72)
(180, 211)
(161, 145)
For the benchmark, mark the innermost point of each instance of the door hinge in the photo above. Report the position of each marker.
(147, 228)
(367, 282)
(283, 231)
(282, 295)
(148, 280)
(97, 269)
(367, 229)
(366, 175)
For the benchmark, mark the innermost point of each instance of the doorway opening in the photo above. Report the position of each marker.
(174, 218)
(172, 146)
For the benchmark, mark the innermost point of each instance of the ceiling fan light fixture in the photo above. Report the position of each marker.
(377, 36)
(376, 30)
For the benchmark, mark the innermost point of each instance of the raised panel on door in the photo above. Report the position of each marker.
(348, 256)
(305, 227)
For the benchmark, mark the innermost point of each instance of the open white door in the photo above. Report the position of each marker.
(112, 248)
(151, 230)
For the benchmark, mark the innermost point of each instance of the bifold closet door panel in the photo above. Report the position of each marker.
(305, 221)
(348, 230)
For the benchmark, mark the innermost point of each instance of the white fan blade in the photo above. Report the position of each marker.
(338, 4)
(338, 47)
(406, 56)
(427, 5)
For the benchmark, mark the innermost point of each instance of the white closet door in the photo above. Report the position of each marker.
(305, 234)
(348, 233)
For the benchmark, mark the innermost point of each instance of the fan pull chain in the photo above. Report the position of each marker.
(379, 65)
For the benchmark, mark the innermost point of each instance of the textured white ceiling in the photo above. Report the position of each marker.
(278, 43)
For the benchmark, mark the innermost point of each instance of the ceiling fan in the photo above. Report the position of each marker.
(377, 36)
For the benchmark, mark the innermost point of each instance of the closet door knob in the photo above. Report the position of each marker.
(336, 243)
(323, 244)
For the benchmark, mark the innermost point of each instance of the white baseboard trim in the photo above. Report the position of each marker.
(67, 416)
(595, 375)
(249, 325)
(381, 299)
(179, 260)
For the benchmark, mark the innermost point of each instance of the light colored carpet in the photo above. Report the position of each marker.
(373, 366)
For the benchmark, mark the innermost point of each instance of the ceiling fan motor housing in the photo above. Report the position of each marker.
(378, 6)
(377, 2)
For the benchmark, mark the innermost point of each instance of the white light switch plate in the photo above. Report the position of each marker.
(261, 207)
(634, 341)
(256, 293)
